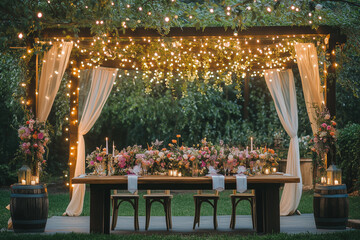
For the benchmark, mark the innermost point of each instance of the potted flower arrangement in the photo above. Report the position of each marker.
(34, 138)
(324, 140)
(28, 215)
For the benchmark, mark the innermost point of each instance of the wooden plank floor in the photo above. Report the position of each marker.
(183, 224)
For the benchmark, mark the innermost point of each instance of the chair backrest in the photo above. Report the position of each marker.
(116, 192)
(167, 192)
(199, 192)
(252, 192)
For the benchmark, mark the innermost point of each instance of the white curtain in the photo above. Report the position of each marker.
(282, 88)
(307, 61)
(54, 64)
(101, 85)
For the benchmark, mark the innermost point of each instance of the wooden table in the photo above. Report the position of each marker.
(266, 194)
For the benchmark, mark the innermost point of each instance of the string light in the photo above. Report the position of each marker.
(20, 35)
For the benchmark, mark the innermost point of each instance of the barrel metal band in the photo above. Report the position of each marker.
(19, 195)
(19, 186)
(331, 196)
(29, 222)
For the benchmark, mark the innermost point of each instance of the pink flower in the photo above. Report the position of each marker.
(40, 135)
(328, 127)
(203, 164)
(91, 163)
(99, 158)
(324, 125)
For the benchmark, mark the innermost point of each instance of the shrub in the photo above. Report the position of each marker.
(349, 155)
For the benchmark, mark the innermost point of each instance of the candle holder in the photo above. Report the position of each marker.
(333, 175)
(266, 171)
(24, 175)
(273, 170)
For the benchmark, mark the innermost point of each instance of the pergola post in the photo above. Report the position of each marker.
(246, 96)
(330, 86)
(31, 73)
(73, 121)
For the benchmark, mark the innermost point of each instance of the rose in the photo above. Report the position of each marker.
(40, 136)
(91, 163)
(327, 117)
(99, 158)
(323, 125)
(328, 127)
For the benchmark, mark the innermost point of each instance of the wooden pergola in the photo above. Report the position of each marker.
(332, 37)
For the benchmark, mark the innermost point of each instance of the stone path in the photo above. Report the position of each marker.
(183, 224)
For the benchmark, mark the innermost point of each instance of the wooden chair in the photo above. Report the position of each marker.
(199, 198)
(165, 200)
(117, 199)
(238, 197)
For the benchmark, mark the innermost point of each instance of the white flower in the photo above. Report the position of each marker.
(230, 157)
(323, 134)
(161, 154)
(327, 116)
(318, 7)
(185, 156)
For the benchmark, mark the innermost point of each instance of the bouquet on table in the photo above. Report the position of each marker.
(98, 160)
(269, 157)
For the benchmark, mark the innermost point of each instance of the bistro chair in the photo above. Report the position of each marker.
(117, 199)
(165, 200)
(212, 199)
(238, 197)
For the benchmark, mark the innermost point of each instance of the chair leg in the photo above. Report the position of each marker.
(199, 212)
(165, 205)
(136, 214)
(115, 214)
(215, 214)
(170, 217)
(195, 216)
(253, 214)
(233, 213)
(148, 211)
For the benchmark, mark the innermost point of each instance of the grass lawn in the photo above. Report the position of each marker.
(182, 205)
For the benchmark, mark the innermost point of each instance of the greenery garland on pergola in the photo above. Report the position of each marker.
(153, 39)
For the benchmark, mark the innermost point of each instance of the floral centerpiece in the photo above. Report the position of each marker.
(34, 138)
(97, 160)
(269, 157)
(126, 159)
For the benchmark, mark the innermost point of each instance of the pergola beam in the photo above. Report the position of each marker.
(265, 31)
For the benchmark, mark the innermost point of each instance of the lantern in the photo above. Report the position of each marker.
(24, 175)
(333, 175)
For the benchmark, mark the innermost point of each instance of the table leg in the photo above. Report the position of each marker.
(99, 209)
(268, 208)
(259, 196)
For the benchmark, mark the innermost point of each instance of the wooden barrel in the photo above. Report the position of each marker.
(29, 207)
(331, 206)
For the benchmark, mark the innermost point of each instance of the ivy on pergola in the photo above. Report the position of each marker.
(215, 53)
